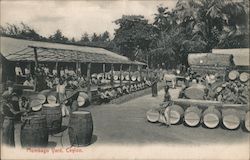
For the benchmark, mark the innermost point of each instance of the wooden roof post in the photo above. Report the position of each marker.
(57, 68)
(36, 66)
(129, 74)
(104, 70)
(112, 76)
(140, 71)
(147, 73)
(78, 68)
(88, 80)
(120, 74)
(36, 59)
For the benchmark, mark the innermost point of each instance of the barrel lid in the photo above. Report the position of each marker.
(81, 112)
(51, 105)
(33, 116)
(35, 105)
(80, 100)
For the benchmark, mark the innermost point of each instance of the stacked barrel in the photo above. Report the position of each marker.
(45, 117)
(211, 117)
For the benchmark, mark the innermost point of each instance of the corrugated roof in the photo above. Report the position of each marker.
(21, 50)
(240, 55)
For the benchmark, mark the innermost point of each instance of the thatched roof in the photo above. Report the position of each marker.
(240, 55)
(23, 50)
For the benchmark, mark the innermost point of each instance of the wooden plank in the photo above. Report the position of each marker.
(88, 80)
(36, 66)
(104, 70)
(206, 103)
(120, 74)
(36, 59)
(112, 76)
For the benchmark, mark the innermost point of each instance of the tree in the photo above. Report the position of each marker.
(58, 37)
(95, 38)
(85, 37)
(73, 40)
(20, 31)
(209, 19)
(105, 37)
(133, 32)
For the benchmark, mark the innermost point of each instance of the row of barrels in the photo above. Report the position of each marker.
(36, 128)
(115, 93)
(51, 97)
(193, 116)
(135, 76)
(234, 75)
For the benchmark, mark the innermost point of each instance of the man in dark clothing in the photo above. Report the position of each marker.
(154, 85)
(167, 95)
(9, 114)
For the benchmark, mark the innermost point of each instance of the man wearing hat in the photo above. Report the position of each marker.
(9, 114)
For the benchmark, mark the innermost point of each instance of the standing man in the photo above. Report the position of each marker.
(9, 114)
(154, 85)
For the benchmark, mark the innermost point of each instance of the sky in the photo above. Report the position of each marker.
(74, 18)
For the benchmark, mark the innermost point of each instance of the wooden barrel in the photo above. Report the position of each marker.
(41, 97)
(192, 116)
(230, 118)
(133, 78)
(83, 99)
(80, 128)
(196, 91)
(53, 116)
(244, 77)
(122, 77)
(51, 98)
(162, 119)
(247, 122)
(153, 115)
(35, 105)
(174, 93)
(108, 75)
(127, 77)
(34, 132)
(211, 117)
(175, 113)
(116, 76)
(233, 75)
(138, 78)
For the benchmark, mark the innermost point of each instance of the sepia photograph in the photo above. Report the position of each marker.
(124, 79)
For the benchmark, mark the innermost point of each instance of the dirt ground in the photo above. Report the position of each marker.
(126, 124)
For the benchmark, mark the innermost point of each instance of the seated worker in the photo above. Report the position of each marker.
(114, 93)
(109, 94)
(125, 89)
(102, 98)
(26, 71)
(119, 92)
(28, 82)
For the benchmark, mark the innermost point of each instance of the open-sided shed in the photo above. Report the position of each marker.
(80, 57)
